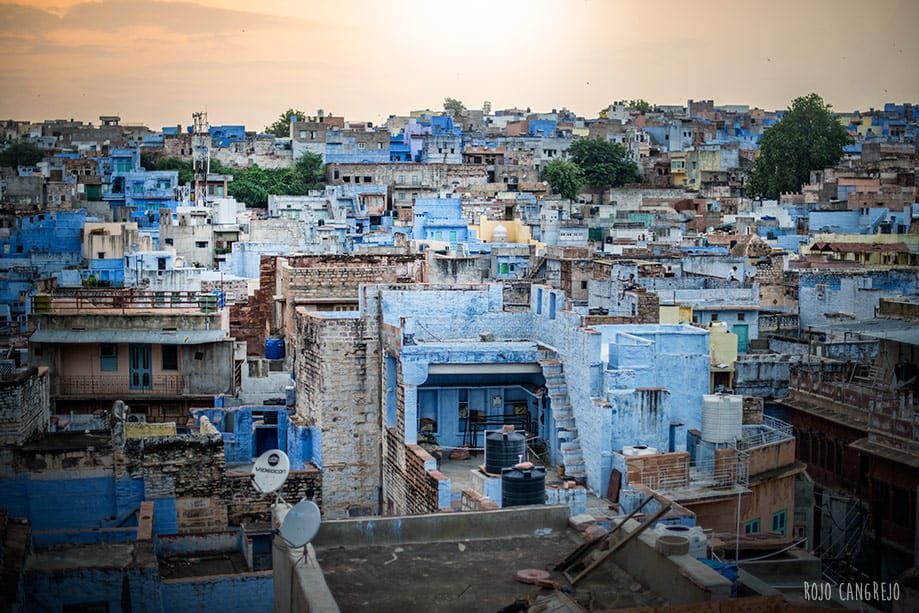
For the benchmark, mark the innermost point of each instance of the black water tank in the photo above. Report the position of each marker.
(522, 485)
(503, 450)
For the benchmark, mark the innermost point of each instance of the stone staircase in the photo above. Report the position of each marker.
(563, 414)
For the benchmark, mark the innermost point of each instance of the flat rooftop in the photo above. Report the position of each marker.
(81, 557)
(467, 575)
(203, 565)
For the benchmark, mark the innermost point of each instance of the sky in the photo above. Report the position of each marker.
(156, 62)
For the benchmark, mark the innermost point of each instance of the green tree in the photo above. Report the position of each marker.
(281, 127)
(565, 177)
(806, 138)
(184, 167)
(605, 164)
(454, 107)
(21, 154)
(642, 106)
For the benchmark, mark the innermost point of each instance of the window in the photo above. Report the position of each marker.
(170, 357)
(740, 317)
(201, 244)
(108, 357)
(551, 306)
(539, 301)
(161, 263)
(778, 521)
(367, 179)
(751, 527)
(583, 284)
(167, 241)
(302, 133)
(360, 145)
(714, 316)
(100, 255)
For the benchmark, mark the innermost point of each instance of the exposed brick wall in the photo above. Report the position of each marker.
(674, 465)
(244, 505)
(410, 479)
(25, 406)
(752, 410)
(338, 373)
(648, 308)
(250, 321)
(517, 292)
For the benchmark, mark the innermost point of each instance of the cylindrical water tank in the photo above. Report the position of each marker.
(522, 485)
(274, 348)
(698, 543)
(637, 450)
(722, 418)
(503, 450)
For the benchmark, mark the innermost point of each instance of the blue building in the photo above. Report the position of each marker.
(440, 219)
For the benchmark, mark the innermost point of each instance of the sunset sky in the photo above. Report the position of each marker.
(156, 62)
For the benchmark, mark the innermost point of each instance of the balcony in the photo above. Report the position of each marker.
(124, 302)
(118, 385)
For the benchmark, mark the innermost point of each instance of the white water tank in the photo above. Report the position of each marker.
(638, 450)
(698, 543)
(722, 418)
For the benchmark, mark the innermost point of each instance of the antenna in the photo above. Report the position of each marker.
(270, 471)
(301, 524)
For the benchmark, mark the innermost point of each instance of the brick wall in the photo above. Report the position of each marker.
(752, 410)
(250, 321)
(25, 406)
(246, 505)
(338, 372)
(648, 308)
(411, 480)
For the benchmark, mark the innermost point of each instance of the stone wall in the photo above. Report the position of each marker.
(338, 372)
(25, 405)
(411, 479)
(245, 505)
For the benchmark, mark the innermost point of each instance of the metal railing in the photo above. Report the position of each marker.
(772, 430)
(86, 385)
(720, 473)
(88, 301)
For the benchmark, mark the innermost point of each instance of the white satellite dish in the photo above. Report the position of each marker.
(301, 524)
(270, 471)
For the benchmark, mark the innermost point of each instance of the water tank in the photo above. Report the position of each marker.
(722, 418)
(522, 485)
(698, 543)
(503, 450)
(274, 348)
(637, 450)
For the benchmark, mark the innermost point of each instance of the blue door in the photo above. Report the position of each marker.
(140, 370)
(742, 337)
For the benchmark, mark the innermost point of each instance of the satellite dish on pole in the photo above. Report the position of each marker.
(301, 524)
(270, 471)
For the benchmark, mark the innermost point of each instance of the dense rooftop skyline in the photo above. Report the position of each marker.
(154, 62)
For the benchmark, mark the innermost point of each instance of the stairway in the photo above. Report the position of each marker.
(563, 414)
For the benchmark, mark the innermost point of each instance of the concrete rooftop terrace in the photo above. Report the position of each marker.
(461, 562)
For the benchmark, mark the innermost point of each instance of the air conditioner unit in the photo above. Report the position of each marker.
(137, 419)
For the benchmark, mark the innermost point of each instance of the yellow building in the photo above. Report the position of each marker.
(675, 314)
(723, 347)
(514, 231)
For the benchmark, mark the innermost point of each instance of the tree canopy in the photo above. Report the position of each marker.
(253, 185)
(565, 177)
(21, 154)
(281, 127)
(454, 107)
(642, 106)
(806, 138)
(604, 163)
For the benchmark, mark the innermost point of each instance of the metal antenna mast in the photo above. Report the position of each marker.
(201, 156)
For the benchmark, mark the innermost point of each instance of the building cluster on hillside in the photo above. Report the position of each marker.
(739, 372)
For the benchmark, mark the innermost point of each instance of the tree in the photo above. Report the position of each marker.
(281, 128)
(21, 154)
(806, 138)
(642, 106)
(454, 107)
(565, 177)
(605, 164)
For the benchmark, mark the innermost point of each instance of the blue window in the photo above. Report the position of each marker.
(539, 301)
(551, 306)
(778, 521)
(108, 357)
(751, 527)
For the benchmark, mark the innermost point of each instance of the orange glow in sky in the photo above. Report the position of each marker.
(155, 62)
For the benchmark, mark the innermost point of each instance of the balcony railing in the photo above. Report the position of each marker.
(121, 301)
(106, 385)
(771, 431)
(722, 473)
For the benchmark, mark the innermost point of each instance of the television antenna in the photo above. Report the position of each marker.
(270, 471)
(301, 524)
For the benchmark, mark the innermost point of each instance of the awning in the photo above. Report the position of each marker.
(154, 337)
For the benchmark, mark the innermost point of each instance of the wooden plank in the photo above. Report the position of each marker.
(583, 549)
(647, 524)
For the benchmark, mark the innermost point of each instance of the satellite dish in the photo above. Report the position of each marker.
(301, 524)
(270, 471)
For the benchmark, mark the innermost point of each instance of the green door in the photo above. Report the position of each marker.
(140, 370)
(741, 331)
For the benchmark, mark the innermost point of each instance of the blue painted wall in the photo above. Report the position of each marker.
(249, 592)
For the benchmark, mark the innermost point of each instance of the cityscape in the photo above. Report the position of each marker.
(639, 356)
